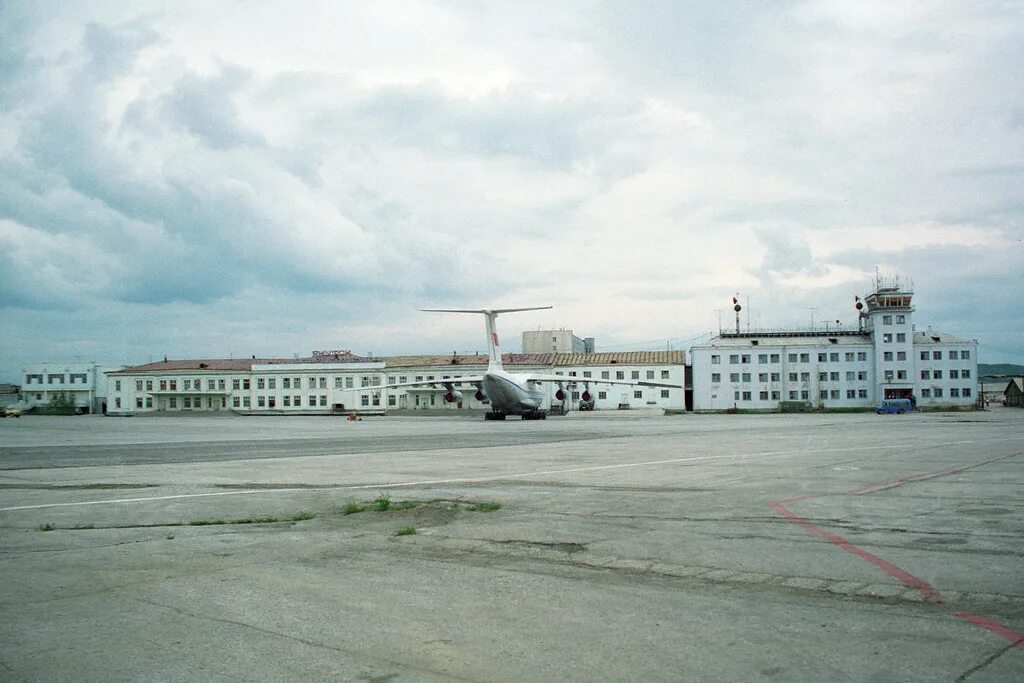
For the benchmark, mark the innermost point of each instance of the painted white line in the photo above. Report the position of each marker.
(499, 477)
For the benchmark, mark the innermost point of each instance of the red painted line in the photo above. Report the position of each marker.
(984, 622)
(904, 577)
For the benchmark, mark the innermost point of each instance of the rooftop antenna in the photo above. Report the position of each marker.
(813, 310)
(736, 307)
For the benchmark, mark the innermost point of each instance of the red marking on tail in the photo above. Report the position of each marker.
(494, 336)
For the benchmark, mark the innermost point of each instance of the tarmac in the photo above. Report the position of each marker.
(624, 546)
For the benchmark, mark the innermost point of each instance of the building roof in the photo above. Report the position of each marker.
(622, 358)
(818, 339)
(1015, 383)
(475, 360)
(198, 365)
(931, 337)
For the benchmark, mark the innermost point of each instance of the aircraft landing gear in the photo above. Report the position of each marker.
(535, 415)
(493, 415)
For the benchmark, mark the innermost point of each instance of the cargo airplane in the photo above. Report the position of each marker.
(510, 393)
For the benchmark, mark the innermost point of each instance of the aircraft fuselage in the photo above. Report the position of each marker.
(511, 395)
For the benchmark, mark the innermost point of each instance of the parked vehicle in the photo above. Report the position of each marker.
(587, 405)
(894, 405)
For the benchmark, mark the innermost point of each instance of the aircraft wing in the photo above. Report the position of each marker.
(472, 379)
(567, 379)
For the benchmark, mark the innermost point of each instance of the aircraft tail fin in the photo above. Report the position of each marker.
(490, 317)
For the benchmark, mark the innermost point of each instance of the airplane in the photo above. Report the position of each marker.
(510, 393)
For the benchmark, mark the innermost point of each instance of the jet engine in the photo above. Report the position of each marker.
(479, 395)
(560, 395)
(585, 395)
(452, 396)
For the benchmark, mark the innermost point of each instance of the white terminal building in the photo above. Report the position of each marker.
(84, 385)
(887, 357)
(340, 381)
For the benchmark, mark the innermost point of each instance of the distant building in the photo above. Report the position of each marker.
(10, 395)
(885, 358)
(331, 383)
(1015, 392)
(83, 384)
(555, 341)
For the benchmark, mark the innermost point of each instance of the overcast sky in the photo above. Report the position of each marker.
(224, 179)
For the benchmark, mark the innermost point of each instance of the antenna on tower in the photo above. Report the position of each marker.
(736, 307)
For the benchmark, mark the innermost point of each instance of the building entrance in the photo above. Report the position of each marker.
(898, 393)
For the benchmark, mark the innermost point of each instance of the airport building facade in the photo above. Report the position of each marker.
(885, 358)
(83, 385)
(343, 382)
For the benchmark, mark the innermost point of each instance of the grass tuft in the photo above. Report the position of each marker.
(352, 508)
(301, 516)
(485, 507)
(406, 531)
(46, 527)
(382, 503)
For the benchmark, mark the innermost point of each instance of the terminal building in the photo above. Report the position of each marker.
(556, 341)
(82, 385)
(886, 357)
(341, 381)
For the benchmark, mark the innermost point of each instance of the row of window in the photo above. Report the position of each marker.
(764, 377)
(804, 395)
(619, 374)
(769, 358)
(953, 374)
(73, 378)
(900, 320)
(951, 355)
(936, 392)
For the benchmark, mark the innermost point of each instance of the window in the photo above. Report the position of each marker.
(715, 360)
(851, 393)
(746, 376)
(936, 355)
(716, 377)
(664, 374)
(349, 382)
(805, 358)
(862, 393)
(602, 395)
(312, 401)
(938, 392)
(888, 375)
(776, 376)
(805, 394)
(149, 385)
(776, 395)
(363, 382)
(635, 374)
(887, 356)
(163, 385)
(954, 374)
(638, 394)
(261, 402)
(924, 355)
(775, 357)
(296, 382)
(403, 378)
(272, 383)
(664, 393)
(391, 401)
(965, 374)
(926, 393)
(966, 391)
(236, 384)
(965, 355)
(605, 375)
(286, 401)
(364, 399)
(650, 374)
(296, 401)
(174, 385)
(260, 383)
(834, 376)
(734, 377)
(736, 395)
(823, 393)
(887, 338)
(792, 357)
(117, 385)
(901, 319)
(901, 338)
(850, 376)
(822, 376)
(937, 374)
(138, 386)
(862, 376)
(138, 402)
(762, 358)
(925, 374)
(762, 377)
(734, 359)
(887, 320)
(286, 383)
(312, 383)
(323, 400)
(245, 384)
(746, 396)
(246, 402)
(822, 357)
(833, 357)
(862, 355)
(834, 394)
(793, 377)
(954, 393)
(211, 384)
(620, 374)
(901, 355)
(745, 358)
(849, 356)
(172, 402)
(337, 384)
(236, 402)
(763, 395)
(220, 385)
(323, 382)
(805, 377)
(901, 374)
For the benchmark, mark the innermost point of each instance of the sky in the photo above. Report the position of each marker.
(226, 179)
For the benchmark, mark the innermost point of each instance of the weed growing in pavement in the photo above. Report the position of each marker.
(485, 507)
(301, 516)
(406, 531)
(46, 527)
(382, 503)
